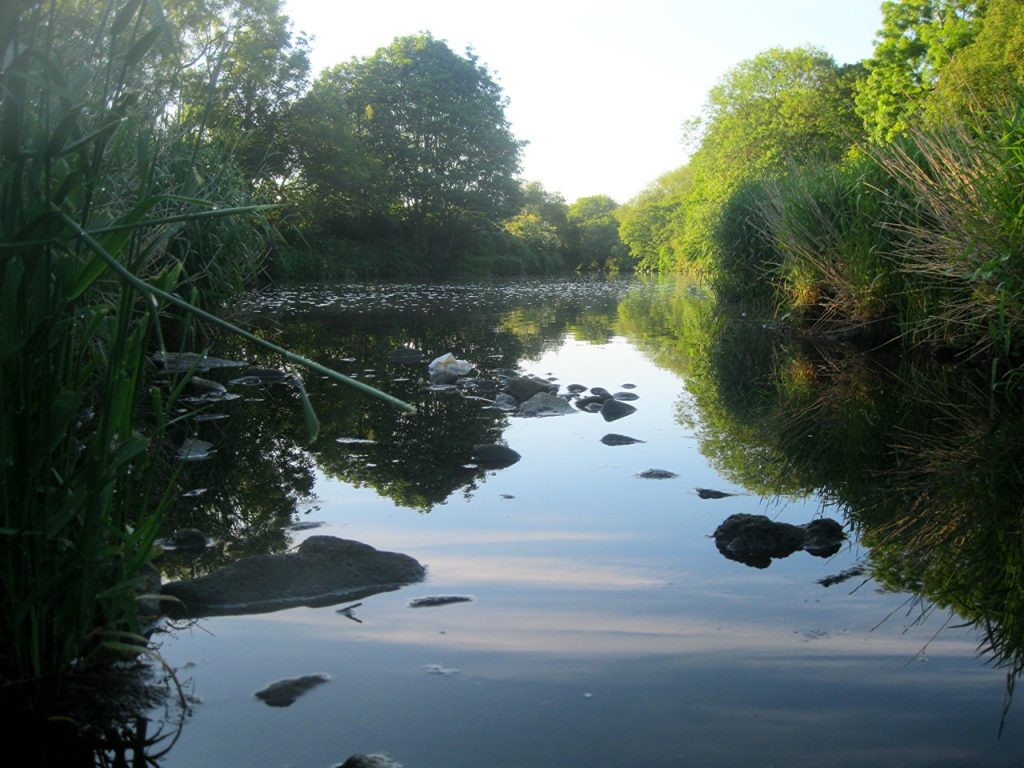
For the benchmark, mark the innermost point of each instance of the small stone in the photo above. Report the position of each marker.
(614, 439)
(657, 474)
(283, 693)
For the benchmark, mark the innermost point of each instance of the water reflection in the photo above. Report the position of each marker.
(921, 457)
(576, 564)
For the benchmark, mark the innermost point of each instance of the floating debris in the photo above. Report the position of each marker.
(194, 492)
(283, 693)
(435, 601)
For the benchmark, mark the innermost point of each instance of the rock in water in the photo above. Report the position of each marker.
(522, 388)
(545, 404)
(369, 761)
(613, 439)
(657, 474)
(284, 692)
(756, 540)
(615, 409)
(494, 456)
(708, 493)
(438, 600)
(324, 571)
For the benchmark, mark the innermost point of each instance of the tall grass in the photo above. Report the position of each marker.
(961, 220)
(100, 217)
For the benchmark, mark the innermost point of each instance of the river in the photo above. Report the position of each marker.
(604, 626)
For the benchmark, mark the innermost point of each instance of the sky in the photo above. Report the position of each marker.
(599, 89)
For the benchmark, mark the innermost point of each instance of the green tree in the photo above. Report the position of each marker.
(917, 40)
(780, 110)
(434, 122)
(989, 69)
(596, 243)
(650, 222)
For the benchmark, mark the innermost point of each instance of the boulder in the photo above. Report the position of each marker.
(626, 396)
(756, 540)
(522, 388)
(492, 455)
(575, 389)
(613, 409)
(323, 571)
(545, 404)
(600, 392)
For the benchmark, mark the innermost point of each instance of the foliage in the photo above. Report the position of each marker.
(650, 223)
(916, 42)
(595, 242)
(414, 138)
(98, 193)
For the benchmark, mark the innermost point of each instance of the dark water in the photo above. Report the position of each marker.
(605, 627)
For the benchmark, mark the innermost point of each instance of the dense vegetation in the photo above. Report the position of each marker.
(882, 198)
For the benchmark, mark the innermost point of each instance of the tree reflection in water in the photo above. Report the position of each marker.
(922, 458)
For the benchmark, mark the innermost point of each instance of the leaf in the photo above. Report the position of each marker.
(312, 422)
(142, 46)
(124, 16)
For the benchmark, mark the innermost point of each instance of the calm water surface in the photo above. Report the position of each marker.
(605, 629)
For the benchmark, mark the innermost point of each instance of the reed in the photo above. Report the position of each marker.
(100, 215)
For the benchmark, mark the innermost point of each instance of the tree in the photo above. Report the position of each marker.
(649, 223)
(596, 244)
(782, 109)
(434, 123)
(916, 41)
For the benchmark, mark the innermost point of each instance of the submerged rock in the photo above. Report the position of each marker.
(495, 456)
(708, 493)
(575, 389)
(600, 392)
(438, 600)
(545, 404)
(405, 356)
(181, 362)
(323, 571)
(197, 385)
(756, 540)
(616, 409)
(626, 396)
(657, 474)
(613, 439)
(369, 761)
(283, 693)
(185, 539)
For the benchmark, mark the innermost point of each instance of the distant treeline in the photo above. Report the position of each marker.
(883, 198)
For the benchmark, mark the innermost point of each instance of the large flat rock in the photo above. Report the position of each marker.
(323, 571)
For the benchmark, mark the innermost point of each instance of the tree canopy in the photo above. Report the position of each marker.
(425, 132)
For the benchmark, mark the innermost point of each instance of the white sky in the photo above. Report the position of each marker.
(600, 89)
